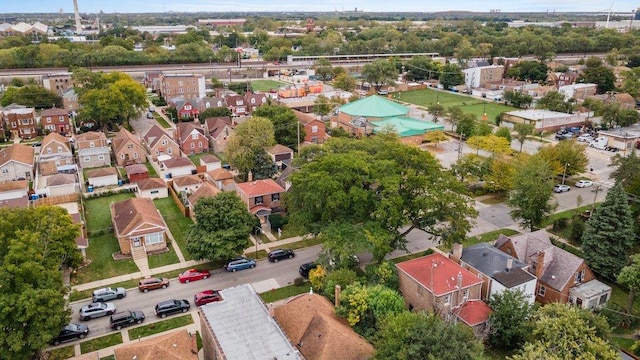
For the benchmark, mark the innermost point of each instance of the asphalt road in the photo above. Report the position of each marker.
(264, 276)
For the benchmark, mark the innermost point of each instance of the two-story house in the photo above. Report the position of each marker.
(254, 101)
(262, 197)
(93, 150)
(16, 163)
(21, 122)
(55, 149)
(562, 276)
(192, 139)
(56, 120)
(218, 130)
(237, 105)
(314, 129)
(70, 100)
(160, 143)
(58, 83)
(188, 86)
(128, 149)
(438, 284)
(186, 109)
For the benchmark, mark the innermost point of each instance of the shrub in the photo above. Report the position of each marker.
(278, 221)
(342, 277)
(560, 224)
(577, 228)
(299, 281)
(317, 278)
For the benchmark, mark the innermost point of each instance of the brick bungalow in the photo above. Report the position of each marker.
(138, 226)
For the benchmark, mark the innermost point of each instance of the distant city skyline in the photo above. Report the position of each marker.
(158, 6)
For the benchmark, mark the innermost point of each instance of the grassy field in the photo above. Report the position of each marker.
(160, 326)
(426, 97)
(98, 212)
(265, 85)
(101, 343)
(177, 223)
(161, 121)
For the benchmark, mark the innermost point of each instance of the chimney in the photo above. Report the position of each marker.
(540, 264)
(509, 264)
(338, 290)
(250, 176)
(457, 252)
(459, 284)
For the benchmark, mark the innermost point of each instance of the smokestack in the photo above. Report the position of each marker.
(509, 264)
(459, 280)
(338, 290)
(77, 13)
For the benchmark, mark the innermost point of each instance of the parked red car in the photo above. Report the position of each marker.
(207, 296)
(193, 275)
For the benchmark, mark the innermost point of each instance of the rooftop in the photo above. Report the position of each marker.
(438, 273)
(406, 126)
(374, 106)
(260, 188)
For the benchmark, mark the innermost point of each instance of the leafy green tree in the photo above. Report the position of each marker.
(342, 277)
(214, 112)
(345, 82)
(510, 320)
(455, 114)
(572, 332)
(629, 277)
(222, 227)
(380, 72)
(420, 335)
(451, 75)
(609, 234)
(504, 132)
(565, 158)
(482, 128)
(322, 106)
(436, 110)
(631, 83)
(466, 125)
(420, 68)
(364, 306)
(522, 131)
(554, 101)
(323, 69)
(530, 198)
(517, 99)
(596, 72)
(500, 176)
(534, 71)
(470, 167)
(285, 124)
(491, 143)
(436, 137)
(32, 96)
(250, 138)
(263, 166)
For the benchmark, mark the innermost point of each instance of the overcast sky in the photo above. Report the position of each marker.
(140, 6)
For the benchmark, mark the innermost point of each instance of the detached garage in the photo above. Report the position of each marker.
(103, 177)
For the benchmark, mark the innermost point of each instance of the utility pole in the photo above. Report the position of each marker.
(298, 122)
(596, 190)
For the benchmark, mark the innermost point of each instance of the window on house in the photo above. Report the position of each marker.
(314, 129)
(169, 151)
(199, 144)
(48, 119)
(100, 157)
(164, 142)
(153, 239)
(193, 145)
(135, 155)
(275, 197)
(130, 146)
(314, 139)
(5, 171)
(446, 299)
(194, 136)
(579, 276)
(87, 158)
(92, 144)
(534, 265)
(59, 149)
(49, 151)
(603, 299)
(122, 156)
(465, 295)
(60, 118)
(153, 192)
(179, 83)
(259, 200)
(157, 152)
(253, 101)
(542, 291)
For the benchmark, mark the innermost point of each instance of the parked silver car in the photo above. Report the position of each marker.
(108, 293)
(96, 310)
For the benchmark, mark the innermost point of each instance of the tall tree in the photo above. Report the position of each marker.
(419, 335)
(451, 75)
(436, 110)
(609, 234)
(596, 72)
(345, 82)
(554, 101)
(285, 124)
(629, 277)
(530, 199)
(222, 227)
(420, 68)
(214, 112)
(380, 72)
(510, 320)
(534, 71)
(250, 138)
(565, 158)
(517, 99)
(522, 131)
(323, 69)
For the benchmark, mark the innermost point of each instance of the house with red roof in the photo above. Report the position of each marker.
(438, 284)
(314, 129)
(56, 120)
(191, 138)
(262, 198)
(218, 130)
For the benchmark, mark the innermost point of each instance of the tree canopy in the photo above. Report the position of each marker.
(596, 72)
(285, 124)
(510, 320)
(250, 139)
(380, 72)
(530, 198)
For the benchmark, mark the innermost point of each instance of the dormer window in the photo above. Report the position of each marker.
(92, 144)
(194, 136)
(253, 101)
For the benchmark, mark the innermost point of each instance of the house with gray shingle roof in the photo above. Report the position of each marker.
(562, 276)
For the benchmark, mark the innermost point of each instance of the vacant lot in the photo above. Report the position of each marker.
(265, 85)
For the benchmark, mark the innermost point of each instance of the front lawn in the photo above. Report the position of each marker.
(102, 265)
(62, 353)
(284, 292)
(98, 211)
(266, 85)
(160, 326)
(177, 223)
(101, 343)
(163, 259)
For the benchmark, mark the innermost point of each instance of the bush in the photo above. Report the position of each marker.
(577, 228)
(278, 221)
(299, 281)
(560, 224)
(384, 273)
(342, 277)
(317, 278)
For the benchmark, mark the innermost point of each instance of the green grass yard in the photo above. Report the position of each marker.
(101, 343)
(177, 223)
(98, 212)
(160, 326)
(163, 259)
(102, 265)
(266, 85)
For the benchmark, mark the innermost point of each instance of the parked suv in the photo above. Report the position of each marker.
(96, 310)
(108, 293)
(305, 268)
(126, 318)
(280, 254)
(171, 307)
(145, 285)
(71, 332)
(240, 264)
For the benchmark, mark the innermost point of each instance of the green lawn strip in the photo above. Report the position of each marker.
(263, 238)
(289, 231)
(411, 256)
(161, 120)
(265, 85)
(167, 258)
(101, 343)
(623, 343)
(151, 170)
(199, 340)
(261, 254)
(284, 292)
(98, 211)
(565, 215)
(177, 223)
(160, 326)
(102, 265)
(62, 353)
(81, 295)
(303, 243)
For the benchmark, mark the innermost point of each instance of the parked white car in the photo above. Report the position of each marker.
(585, 138)
(584, 183)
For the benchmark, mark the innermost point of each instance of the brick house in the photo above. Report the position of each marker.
(314, 129)
(562, 276)
(262, 197)
(188, 86)
(218, 130)
(92, 149)
(138, 226)
(70, 100)
(57, 83)
(237, 104)
(191, 138)
(21, 122)
(56, 120)
(160, 143)
(186, 109)
(128, 149)
(254, 101)
(16, 163)
(438, 284)
(210, 103)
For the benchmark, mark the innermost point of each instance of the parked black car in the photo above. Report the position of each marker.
(305, 268)
(126, 318)
(280, 254)
(71, 332)
(171, 307)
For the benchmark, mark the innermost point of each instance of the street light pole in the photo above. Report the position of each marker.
(564, 174)
(255, 233)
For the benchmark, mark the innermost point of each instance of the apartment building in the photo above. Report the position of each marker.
(187, 86)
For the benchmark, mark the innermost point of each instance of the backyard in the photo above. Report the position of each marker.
(426, 97)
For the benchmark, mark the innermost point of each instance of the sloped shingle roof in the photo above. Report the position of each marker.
(177, 345)
(132, 213)
(18, 153)
(151, 183)
(260, 188)
(438, 273)
(206, 190)
(108, 171)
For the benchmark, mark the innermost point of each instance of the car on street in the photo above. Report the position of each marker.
(108, 293)
(96, 310)
(584, 183)
(306, 268)
(193, 275)
(145, 285)
(173, 306)
(207, 296)
(280, 254)
(125, 318)
(71, 332)
(240, 264)
(561, 188)
(585, 138)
